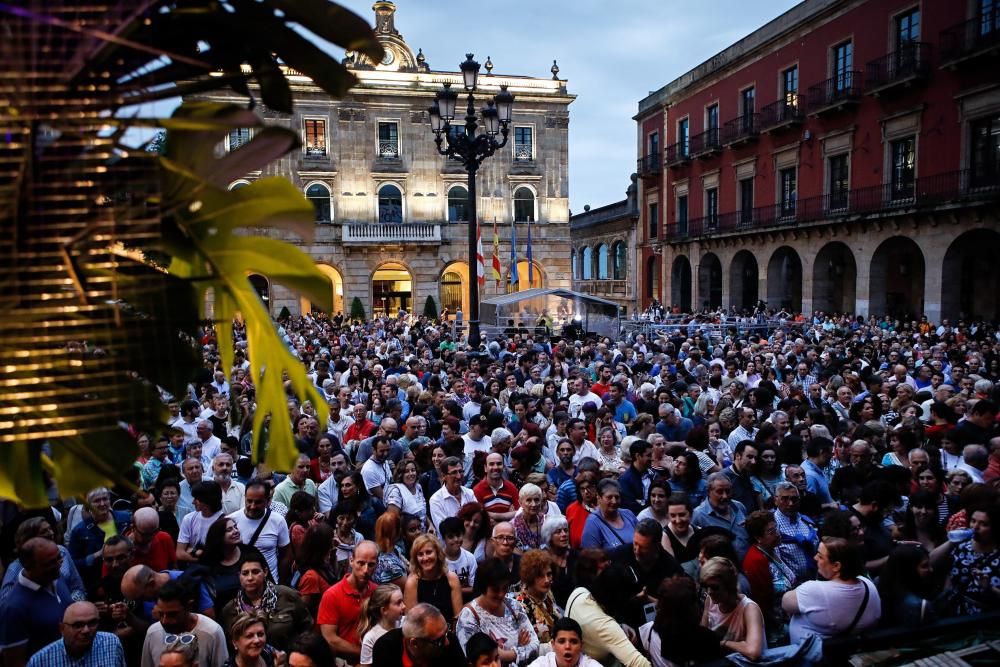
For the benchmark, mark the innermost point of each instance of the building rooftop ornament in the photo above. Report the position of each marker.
(399, 57)
(488, 65)
(555, 71)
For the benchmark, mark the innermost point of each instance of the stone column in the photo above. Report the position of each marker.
(807, 259)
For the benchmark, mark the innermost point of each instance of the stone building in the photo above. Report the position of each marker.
(391, 223)
(604, 250)
(843, 157)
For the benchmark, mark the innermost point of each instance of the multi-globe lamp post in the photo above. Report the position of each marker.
(471, 149)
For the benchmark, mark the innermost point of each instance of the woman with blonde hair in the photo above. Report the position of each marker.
(248, 634)
(381, 612)
(734, 618)
(430, 580)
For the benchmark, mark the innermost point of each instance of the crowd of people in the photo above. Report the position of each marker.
(663, 500)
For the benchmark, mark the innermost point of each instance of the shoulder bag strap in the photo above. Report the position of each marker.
(861, 610)
(260, 528)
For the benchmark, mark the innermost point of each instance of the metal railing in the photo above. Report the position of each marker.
(911, 59)
(968, 37)
(678, 153)
(778, 113)
(844, 87)
(705, 142)
(523, 153)
(741, 128)
(651, 164)
(388, 150)
(929, 191)
(383, 232)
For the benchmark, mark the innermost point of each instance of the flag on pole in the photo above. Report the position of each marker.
(531, 265)
(496, 254)
(514, 280)
(480, 263)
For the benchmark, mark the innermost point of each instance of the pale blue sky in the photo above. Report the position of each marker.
(612, 53)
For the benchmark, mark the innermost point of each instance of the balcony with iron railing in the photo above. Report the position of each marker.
(650, 165)
(678, 154)
(706, 144)
(971, 39)
(952, 188)
(523, 152)
(903, 67)
(391, 233)
(741, 129)
(388, 150)
(836, 93)
(780, 115)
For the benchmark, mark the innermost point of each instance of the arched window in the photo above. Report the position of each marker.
(524, 204)
(588, 264)
(458, 204)
(574, 265)
(619, 257)
(602, 261)
(262, 287)
(390, 204)
(319, 195)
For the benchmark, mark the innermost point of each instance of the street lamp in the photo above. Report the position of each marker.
(471, 149)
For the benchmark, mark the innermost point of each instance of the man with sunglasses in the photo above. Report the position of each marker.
(423, 641)
(81, 644)
(178, 624)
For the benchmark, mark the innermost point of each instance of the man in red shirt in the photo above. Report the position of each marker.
(340, 607)
(496, 494)
(361, 428)
(603, 384)
(153, 547)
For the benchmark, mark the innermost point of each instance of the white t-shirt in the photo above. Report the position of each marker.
(464, 568)
(194, 527)
(586, 449)
(376, 474)
(826, 608)
(473, 446)
(368, 644)
(274, 536)
(212, 649)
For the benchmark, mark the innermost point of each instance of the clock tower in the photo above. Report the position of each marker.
(399, 57)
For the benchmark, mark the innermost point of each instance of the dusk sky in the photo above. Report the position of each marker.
(612, 53)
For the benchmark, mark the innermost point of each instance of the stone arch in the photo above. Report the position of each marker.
(680, 283)
(710, 281)
(784, 280)
(523, 282)
(262, 286)
(835, 279)
(392, 288)
(453, 292)
(337, 282)
(970, 281)
(896, 284)
(744, 279)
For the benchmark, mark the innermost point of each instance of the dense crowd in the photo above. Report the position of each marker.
(664, 500)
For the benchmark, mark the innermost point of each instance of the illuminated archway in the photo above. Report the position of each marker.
(392, 289)
(454, 289)
(522, 277)
(338, 291)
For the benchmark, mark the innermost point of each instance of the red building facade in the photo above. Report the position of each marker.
(843, 158)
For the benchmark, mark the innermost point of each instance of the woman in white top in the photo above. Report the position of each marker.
(843, 604)
(734, 618)
(405, 493)
(380, 612)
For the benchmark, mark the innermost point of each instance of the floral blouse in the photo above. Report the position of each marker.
(526, 538)
(543, 613)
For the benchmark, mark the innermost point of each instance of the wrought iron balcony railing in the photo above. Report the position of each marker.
(388, 150)
(523, 153)
(780, 114)
(844, 88)
(910, 61)
(678, 153)
(979, 34)
(742, 128)
(650, 165)
(925, 192)
(706, 143)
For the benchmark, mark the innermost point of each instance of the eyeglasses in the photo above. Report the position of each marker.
(440, 642)
(185, 638)
(80, 625)
(504, 538)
